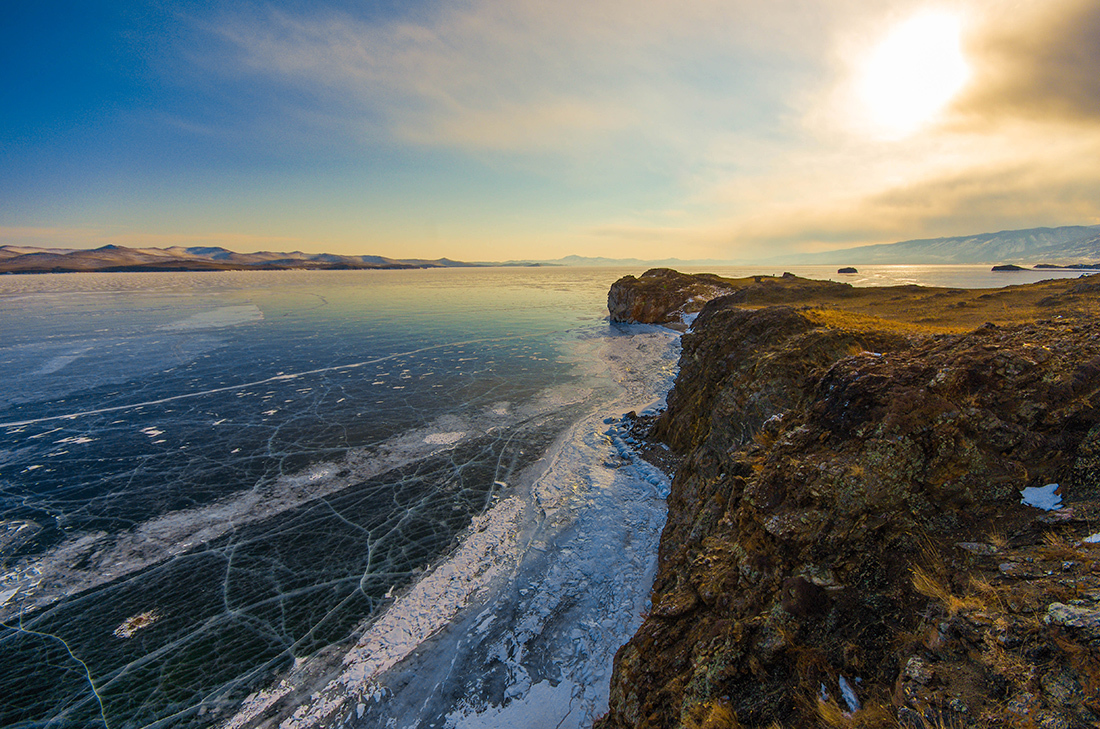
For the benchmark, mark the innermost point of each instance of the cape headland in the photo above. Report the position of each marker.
(886, 511)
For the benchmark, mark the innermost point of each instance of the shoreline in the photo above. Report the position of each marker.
(523, 571)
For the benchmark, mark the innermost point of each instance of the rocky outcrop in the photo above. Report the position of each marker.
(663, 296)
(845, 543)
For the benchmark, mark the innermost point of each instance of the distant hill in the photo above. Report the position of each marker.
(597, 262)
(1065, 245)
(23, 259)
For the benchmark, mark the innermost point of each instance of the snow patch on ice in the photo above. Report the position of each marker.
(56, 364)
(445, 438)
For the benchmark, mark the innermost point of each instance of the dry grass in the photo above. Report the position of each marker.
(930, 585)
(997, 538)
(990, 594)
(765, 438)
(1055, 547)
(875, 716)
(1010, 666)
(711, 715)
(854, 321)
(942, 722)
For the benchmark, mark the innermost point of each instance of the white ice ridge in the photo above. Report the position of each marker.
(489, 548)
(256, 383)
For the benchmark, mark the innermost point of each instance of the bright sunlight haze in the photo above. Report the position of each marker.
(914, 72)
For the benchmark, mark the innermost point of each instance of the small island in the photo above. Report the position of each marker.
(885, 510)
(1008, 267)
(847, 269)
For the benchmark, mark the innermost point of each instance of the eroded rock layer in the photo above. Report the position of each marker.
(846, 543)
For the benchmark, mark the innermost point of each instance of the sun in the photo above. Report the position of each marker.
(913, 72)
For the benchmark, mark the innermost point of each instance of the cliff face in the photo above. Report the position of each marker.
(741, 367)
(846, 525)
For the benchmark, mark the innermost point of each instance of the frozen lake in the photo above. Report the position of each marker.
(392, 498)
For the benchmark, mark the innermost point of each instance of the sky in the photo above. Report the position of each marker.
(488, 130)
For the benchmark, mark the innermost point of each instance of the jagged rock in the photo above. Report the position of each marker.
(1073, 616)
(918, 670)
(663, 296)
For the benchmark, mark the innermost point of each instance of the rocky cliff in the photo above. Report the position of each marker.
(846, 544)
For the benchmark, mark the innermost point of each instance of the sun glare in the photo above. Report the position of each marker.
(913, 73)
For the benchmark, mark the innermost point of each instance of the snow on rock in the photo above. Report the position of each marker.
(1046, 497)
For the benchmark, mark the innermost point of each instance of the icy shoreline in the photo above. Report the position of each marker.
(520, 624)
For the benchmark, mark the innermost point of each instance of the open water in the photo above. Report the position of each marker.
(394, 498)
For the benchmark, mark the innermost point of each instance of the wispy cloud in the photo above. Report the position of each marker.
(528, 76)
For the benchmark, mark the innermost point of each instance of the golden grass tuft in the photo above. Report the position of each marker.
(930, 585)
(1056, 547)
(874, 716)
(990, 594)
(997, 538)
(711, 715)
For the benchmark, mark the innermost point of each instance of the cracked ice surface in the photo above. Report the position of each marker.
(320, 477)
(532, 608)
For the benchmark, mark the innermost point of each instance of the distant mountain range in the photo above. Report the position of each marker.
(24, 259)
(20, 259)
(1067, 245)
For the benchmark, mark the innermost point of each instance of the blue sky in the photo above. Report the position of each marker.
(487, 130)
